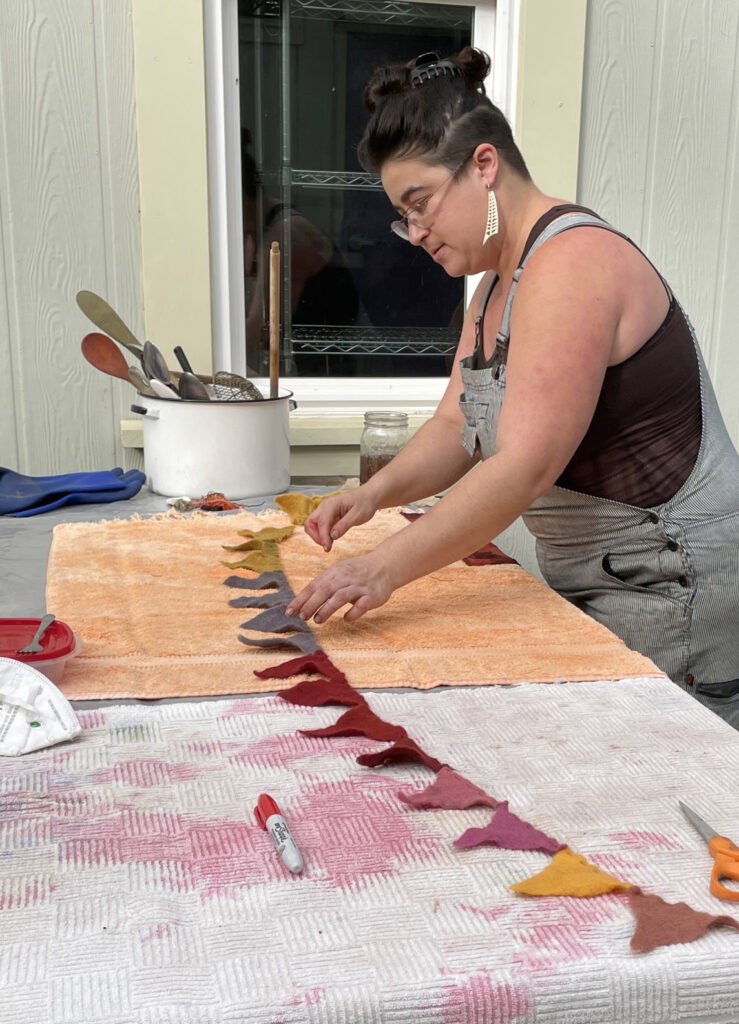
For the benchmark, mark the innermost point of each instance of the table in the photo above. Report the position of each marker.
(135, 887)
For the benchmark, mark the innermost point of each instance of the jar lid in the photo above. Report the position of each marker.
(57, 642)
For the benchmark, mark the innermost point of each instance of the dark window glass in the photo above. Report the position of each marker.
(355, 299)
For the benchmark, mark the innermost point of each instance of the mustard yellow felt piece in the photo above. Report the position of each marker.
(299, 506)
(276, 533)
(266, 558)
(569, 874)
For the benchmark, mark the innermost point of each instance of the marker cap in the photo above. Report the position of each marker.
(265, 808)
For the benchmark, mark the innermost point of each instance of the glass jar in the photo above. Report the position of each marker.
(384, 434)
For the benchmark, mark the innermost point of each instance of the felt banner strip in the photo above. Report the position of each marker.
(274, 620)
(489, 554)
(319, 692)
(360, 720)
(402, 750)
(509, 831)
(569, 874)
(304, 642)
(449, 791)
(264, 581)
(659, 923)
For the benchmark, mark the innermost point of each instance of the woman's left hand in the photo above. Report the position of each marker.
(362, 582)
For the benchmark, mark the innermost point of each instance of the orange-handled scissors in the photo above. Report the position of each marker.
(725, 855)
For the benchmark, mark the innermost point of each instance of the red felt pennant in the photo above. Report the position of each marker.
(318, 692)
(402, 750)
(318, 663)
(489, 554)
(360, 721)
(659, 923)
(509, 831)
(450, 792)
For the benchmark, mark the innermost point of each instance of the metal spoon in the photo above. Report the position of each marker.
(193, 388)
(106, 318)
(103, 353)
(34, 647)
(155, 365)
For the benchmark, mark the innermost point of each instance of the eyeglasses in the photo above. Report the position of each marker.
(417, 214)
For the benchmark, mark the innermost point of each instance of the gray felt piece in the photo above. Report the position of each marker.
(304, 642)
(267, 600)
(261, 582)
(274, 620)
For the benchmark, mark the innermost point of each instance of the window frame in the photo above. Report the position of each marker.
(495, 29)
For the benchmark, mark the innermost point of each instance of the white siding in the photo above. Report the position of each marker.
(68, 221)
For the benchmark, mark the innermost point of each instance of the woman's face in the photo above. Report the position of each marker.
(443, 213)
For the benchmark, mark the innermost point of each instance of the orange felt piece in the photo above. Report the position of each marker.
(569, 874)
(659, 923)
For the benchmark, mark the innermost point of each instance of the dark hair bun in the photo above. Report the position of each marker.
(384, 82)
(475, 67)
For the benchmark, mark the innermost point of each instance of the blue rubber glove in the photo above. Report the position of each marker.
(29, 495)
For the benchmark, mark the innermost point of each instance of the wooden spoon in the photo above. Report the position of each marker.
(103, 353)
(106, 318)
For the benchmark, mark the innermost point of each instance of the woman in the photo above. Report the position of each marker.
(609, 441)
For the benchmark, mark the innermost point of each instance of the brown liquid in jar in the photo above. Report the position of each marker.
(371, 464)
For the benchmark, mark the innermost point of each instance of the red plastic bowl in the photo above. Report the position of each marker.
(58, 643)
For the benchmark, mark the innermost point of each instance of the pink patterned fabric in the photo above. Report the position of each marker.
(136, 887)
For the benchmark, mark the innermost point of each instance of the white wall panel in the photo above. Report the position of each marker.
(69, 208)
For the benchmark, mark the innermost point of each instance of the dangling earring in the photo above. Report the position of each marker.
(491, 227)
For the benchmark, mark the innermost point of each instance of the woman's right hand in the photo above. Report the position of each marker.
(337, 514)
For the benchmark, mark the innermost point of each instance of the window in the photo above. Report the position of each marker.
(363, 314)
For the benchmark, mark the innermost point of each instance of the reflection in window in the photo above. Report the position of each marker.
(356, 300)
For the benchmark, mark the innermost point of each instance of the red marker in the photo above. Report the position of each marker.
(270, 819)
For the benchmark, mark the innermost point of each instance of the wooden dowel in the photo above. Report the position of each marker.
(274, 318)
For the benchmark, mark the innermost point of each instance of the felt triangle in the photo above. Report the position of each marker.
(510, 832)
(269, 599)
(450, 792)
(569, 874)
(360, 721)
(274, 620)
(299, 506)
(659, 923)
(304, 642)
(266, 559)
(489, 554)
(318, 692)
(276, 533)
(261, 582)
(402, 750)
(318, 663)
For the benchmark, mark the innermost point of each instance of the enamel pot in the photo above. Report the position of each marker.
(241, 449)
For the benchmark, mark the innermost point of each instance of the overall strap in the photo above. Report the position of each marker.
(563, 223)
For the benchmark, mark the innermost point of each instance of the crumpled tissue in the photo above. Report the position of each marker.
(33, 713)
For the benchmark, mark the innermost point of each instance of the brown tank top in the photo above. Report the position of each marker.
(645, 433)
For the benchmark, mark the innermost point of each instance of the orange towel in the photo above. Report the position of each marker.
(148, 599)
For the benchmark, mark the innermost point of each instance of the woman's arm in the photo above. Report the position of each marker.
(565, 319)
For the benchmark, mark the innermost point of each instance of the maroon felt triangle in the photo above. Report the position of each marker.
(449, 791)
(319, 692)
(360, 721)
(318, 662)
(509, 831)
(659, 923)
(402, 750)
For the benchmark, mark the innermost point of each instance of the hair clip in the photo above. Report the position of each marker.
(430, 65)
